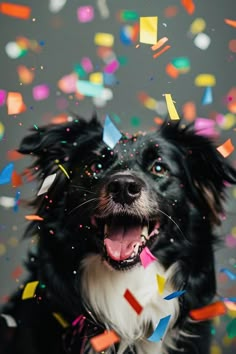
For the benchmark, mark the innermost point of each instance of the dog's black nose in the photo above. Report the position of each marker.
(124, 188)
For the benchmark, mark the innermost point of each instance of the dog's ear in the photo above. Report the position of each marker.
(207, 171)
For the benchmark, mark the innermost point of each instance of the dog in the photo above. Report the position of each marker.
(163, 192)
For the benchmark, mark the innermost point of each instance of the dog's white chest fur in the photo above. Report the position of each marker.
(103, 292)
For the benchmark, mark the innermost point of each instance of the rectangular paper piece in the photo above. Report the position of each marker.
(160, 329)
(207, 312)
(104, 340)
(133, 301)
(47, 184)
(111, 135)
(171, 107)
(11, 322)
(88, 88)
(147, 257)
(226, 148)
(29, 290)
(148, 30)
(174, 294)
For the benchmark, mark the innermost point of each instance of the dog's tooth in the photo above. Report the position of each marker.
(143, 239)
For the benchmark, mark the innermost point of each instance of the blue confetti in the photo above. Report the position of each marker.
(111, 135)
(230, 274)
(175, 294)
(160, 329)
(5, 175)
(207, 97)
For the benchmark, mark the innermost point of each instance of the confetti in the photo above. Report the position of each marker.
(111, 67)
(88, 88)
(198, 26)
(56, 5)
(15, 104)
(67, 83)
(147, 257)
(204, 80)
(85, 14)
(26, 76)
(159, 43)
(232, 45)
(230, 274)
(160, 283)
(16, 179)
(202, 41)
(64, 171)
(207, 97)
(2, 130)
(16, 201)
(230, 22)
(189, 6)
(47, 184)
(41, 92)
(171, 107)
(133, 301)
(6, 173)
(205, 127)
(11, 322)
(128, 15)
(148, 30)
(14, 155)
(104, 39)
(104, 340)
(129, 34)
(3, 95)
(87, 64)
(111, 135)
(231, 328)
(174, 295)
(182, 64)
(29, 290)
(7, 202)
(33, 217)
(207, 312)
(103, 8)
(60, 319)
(163, 50)
(189, 111)
(226, 148)
(172, 71)
(96, 78)
(160, 329)
(13, 50)
(15, 10)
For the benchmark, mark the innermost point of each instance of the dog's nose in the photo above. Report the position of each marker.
(125, 188)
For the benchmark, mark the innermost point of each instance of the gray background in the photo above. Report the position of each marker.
(64, 42)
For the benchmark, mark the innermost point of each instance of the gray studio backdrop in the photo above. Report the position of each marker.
(57, 42)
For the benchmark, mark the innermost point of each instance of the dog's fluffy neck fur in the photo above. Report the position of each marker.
(103, 289)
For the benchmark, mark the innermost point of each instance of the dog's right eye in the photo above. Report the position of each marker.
(158, 169)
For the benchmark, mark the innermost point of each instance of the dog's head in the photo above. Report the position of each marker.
(156, 190)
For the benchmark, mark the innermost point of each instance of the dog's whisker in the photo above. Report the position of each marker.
(80, 205)
(82, 189)
(170, 218)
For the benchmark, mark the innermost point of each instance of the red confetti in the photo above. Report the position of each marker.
(133, 301)
(189, 6)
(207, 312)
(15, 10)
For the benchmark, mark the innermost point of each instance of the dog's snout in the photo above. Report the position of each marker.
(125, 188)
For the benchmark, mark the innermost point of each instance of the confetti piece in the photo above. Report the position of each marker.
(133, 301)
(174, 295)
(60, 319)
(160, 329)
(181, 63)
(230, 305)
(189, 111)
(129, 34)
(160, 283)
(47, 184)
(104, 340)
(33, 217)
(11, 322)
(96, 78)
(26, 76)
(15, 10)
(29, 290)
(67, 83)
(56, 5)
(87, 64)
(63, 170)
(88, 88)
(207, 97)
(16, 179)
(3, 95)
(147, 257)
(230, 274)
(16, 201)
(230, 22)
(104, 39)
(159, 43)
(2, 130)
(198, 26)
(15, 104)
(7, 202)
(85, 14)
(171, 107)
(148, 29)
(163, 50)
(231, 328)
(204, 80)
(226, 148)
(207, 312)
(172, 71)
(14, 51)
(232, 45)
(6, 173)
(202, 41)
(111, 135)
(128, 15)
(111, 67)
(205, 127)
(14, 155)
(41, 92)
(189, 6)
(171, 11)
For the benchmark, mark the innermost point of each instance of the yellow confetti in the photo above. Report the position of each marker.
(148, 30)
(60, 319)
(215, 349)
(205, 80)
(63, 169)
(96, 78)
(171, 107)
(160, 283)
(198, 26)
(150, 103)
(104, 39)
(29, 290)
(2, 249)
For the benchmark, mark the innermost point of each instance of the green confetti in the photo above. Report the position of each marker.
(231, 329)
(135, 121)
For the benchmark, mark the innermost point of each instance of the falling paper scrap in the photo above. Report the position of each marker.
(104, 340)
(6, 173)
(87, 88)
(29, 290)
(147, 257)
(171, 107)
(133, 301)
(15, 10)
(207, 312)
(60, 319)
(148, 30)
(160, 329)
(15, 104)
(207, 97)
(11, 322)
(174, 295)
(226, 148)
(230, 274)
(111, 135)
(33, 217)
(160, 283)
(47, 184)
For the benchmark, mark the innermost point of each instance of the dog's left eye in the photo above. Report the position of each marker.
(158, 169)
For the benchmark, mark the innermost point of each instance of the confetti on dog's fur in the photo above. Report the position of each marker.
(207, 312)
(29, 290)
(160, 329)
(133, 301)
(226, 148)
(11, 322)
(104, 340)
(47, 184)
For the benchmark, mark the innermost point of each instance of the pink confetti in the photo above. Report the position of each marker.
(147, 257)
(230, 241)
(111, 67)
(87, 64)
(3, 95)
(41, 92)
(85, 14)
(205, 127)
(67, 83)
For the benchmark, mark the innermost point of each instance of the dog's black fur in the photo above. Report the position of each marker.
(183, 178)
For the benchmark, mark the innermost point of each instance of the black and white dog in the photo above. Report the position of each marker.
(162, 190)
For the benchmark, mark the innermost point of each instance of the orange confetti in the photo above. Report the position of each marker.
(60, 119)
(15, 104)
(189, 6)
(33, 217)
(171, 11)
(207, 312)
(13, 155)
(189, 111)
(226, 148)
(230, 22)
(167, 47)
(15, 10)
(159, 43)
(104, 340)
(172, 71)
(26, 76)
(158, 120)
(16, 179)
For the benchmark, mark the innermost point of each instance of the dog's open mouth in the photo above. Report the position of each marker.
(125, 237)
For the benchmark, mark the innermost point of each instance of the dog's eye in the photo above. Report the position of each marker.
(158, 169)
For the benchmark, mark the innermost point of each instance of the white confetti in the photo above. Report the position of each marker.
(9, 320)
(56, 5)
(7, 202)
(202, 41)
(47, 184)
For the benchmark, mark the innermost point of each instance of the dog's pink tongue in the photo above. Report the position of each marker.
(121, 241)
